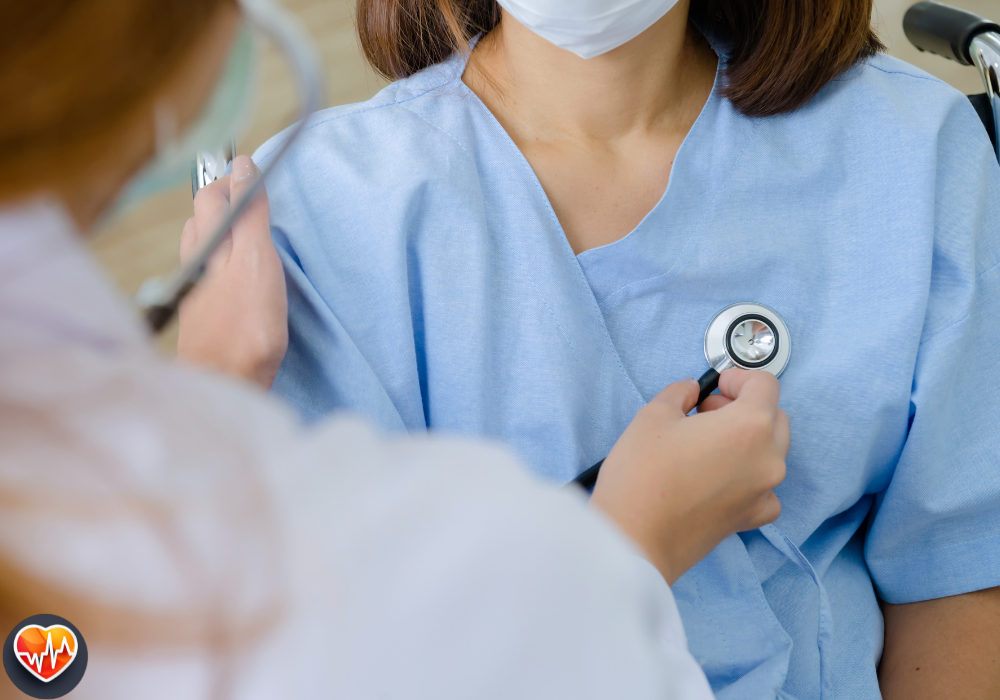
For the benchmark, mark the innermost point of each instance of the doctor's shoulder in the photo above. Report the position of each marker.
(469, 500)
(427, 540)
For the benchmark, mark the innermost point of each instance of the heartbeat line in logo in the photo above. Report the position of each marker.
(38, 659)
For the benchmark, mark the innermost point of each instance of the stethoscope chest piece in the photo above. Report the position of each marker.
(747, 335)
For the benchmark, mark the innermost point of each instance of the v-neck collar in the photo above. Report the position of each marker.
(461, 61)
(699, 125)
(558, 279)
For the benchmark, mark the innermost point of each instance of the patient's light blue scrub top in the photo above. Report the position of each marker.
(431, 286)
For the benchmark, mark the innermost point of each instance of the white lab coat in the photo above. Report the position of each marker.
(191, 514)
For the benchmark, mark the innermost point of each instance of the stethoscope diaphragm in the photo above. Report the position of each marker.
(746, 335)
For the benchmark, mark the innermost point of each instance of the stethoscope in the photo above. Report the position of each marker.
(160, 298)
(747, 335)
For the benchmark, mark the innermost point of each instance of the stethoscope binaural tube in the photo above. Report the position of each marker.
(747, 335)
(159, 298)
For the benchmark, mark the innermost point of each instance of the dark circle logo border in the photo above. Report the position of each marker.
(27, 683)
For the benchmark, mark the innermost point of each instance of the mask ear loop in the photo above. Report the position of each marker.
(159, 298)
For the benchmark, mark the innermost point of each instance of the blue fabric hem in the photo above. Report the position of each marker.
(927, 574)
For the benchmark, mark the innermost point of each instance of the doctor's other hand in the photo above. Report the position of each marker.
(236, 319)
(678, 485)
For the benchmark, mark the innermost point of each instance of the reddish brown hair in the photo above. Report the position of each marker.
(782, 51)
(71, 71)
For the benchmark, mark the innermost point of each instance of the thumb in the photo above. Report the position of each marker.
(252, 228)
(681, 396)
(751, 387)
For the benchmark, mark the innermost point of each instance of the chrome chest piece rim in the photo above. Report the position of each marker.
(747, 335)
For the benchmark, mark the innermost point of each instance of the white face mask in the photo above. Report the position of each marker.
(588, 28)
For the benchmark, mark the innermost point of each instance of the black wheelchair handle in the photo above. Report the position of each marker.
(944, 30)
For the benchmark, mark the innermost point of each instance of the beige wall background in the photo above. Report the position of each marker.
(143, 242)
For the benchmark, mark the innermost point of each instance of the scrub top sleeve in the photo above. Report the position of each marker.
(321, 351)
(936, 528)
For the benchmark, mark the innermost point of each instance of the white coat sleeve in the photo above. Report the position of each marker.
(447, 572)
(175, 508)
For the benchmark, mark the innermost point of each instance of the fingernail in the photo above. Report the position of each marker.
(243, 168)
(690, 379)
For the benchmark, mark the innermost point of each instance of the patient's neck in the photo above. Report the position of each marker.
(601, 134)
(646, 84)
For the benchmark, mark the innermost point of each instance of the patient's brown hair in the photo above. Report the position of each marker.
(783, 51)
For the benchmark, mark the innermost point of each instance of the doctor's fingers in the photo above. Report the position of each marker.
(781, 427)
(211, 207)
(782, 432)
(191, 237)
(676, 400)
(189, 240)
(713, 402)
(764, 511)
(192, 241)
(751, 388)
(252, 230)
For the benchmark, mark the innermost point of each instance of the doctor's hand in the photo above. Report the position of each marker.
(678, 485)
(236, 319)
